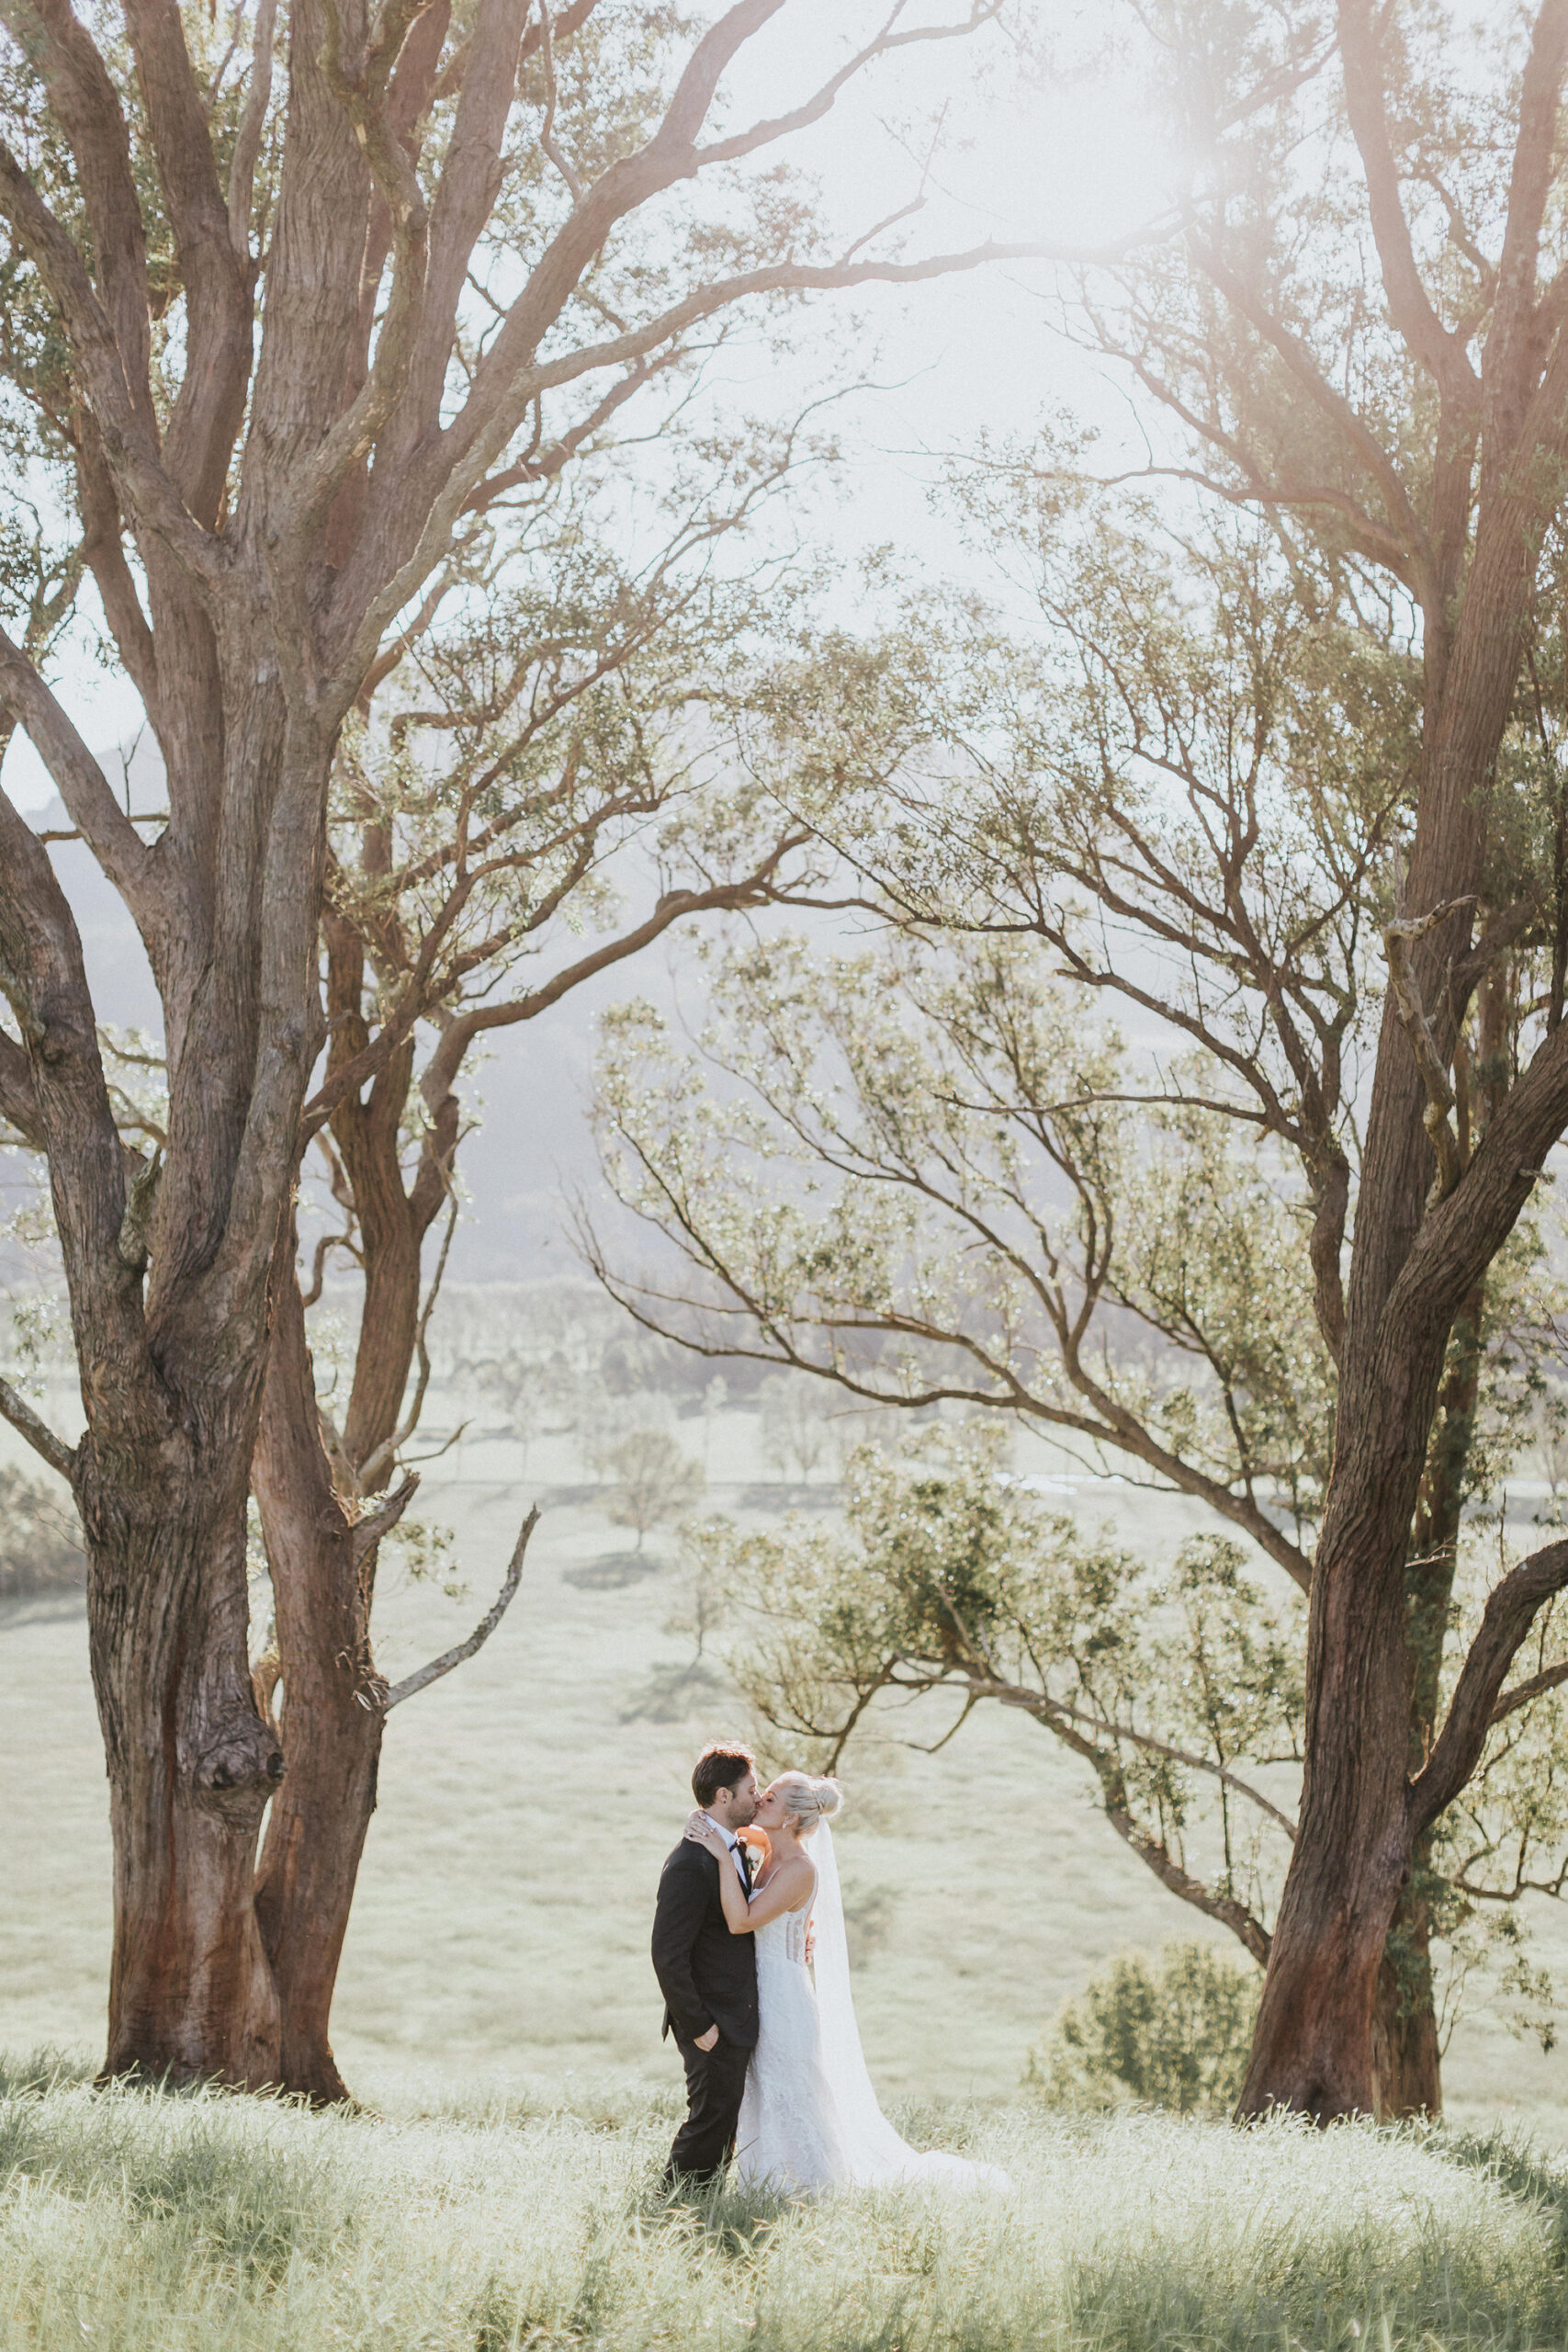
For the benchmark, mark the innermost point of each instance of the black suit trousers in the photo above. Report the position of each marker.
(715, 2081)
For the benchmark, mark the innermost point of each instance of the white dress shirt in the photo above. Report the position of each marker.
(733, 1842)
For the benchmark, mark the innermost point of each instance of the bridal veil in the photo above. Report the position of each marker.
(877, 2156)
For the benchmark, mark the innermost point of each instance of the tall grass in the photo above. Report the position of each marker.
(135, 2222)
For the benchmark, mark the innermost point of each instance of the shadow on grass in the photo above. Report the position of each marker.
(612, 1571)
(1516, 2163)
(669, 1694)
(779, 1495)
(217, 2199)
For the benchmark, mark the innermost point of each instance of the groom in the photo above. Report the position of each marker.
(707, 1976)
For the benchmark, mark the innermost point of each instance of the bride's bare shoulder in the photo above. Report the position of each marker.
(799, 1874)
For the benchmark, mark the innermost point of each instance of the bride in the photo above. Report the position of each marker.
(810, 2120)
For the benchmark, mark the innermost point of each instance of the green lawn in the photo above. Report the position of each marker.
(501, 1934)
(212, 2223)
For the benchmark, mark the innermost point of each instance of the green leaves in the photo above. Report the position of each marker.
(952, 1582)
(921, 1170)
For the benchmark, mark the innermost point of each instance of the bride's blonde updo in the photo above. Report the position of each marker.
(808, 1800)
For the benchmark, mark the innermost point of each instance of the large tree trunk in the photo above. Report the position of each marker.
(1407, 2066)
(1353, 1851)
(1349, 2022)
(322, 1555)
(1363, 1811)
(168, 1305)
(1312, 2049)
(331, 1718)
(191, 1765)
(1406, 2057)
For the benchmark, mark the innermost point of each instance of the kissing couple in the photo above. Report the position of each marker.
(749, 1952)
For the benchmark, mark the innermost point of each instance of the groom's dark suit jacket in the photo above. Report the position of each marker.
(706, 1975)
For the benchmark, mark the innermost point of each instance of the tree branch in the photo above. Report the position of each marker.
(724, 898)
(1410, 309)
(210, 403)
(821, 102)
(1323, 1248)
(1042, 1704)
(548, 140)
(42, 974)
(371, 1468)
(477, 1639)
(19, 1096)
(1508, 1616)
(1553, 1679)
(83, 95)
(1156, 1855)
(119, 849)
(504, 391)
(1514, 342)
(104, 553)
(1460, 1237)
(1327, 397)
(16, 1410)
(360, 82)
(129, 435)
(368, 1531)
(248, 138)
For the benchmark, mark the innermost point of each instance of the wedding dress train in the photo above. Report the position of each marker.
(809, 2118)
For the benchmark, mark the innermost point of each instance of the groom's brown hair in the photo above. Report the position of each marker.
(721, 1764)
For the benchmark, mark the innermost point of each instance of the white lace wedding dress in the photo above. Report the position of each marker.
(810, 2119)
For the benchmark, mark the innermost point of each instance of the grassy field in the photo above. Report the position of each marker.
(500, 1938)
(129, 2221)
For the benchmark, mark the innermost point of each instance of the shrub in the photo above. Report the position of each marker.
(1176, 2035)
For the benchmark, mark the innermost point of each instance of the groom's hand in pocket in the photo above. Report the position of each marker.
(708, 2040)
